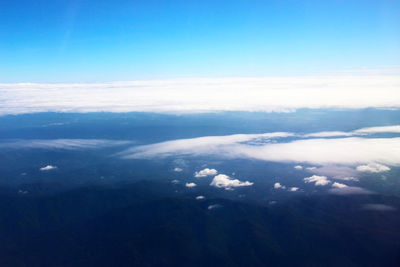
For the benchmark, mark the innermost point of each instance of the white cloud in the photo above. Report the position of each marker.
(214, 206)
(337, 151)
(199, 95)
(380, 129)
(350, 190)
(67, 144)
(205, 172)
(373, 167)
(318, 180)
(293, 189)
(200, 197)
(48, 168)
(279, 186)
(190, 185)
(177, 169)
(310, 168)
(298, 167)
(175, 181)
(339, 185)
(379, 207)
(224, 181)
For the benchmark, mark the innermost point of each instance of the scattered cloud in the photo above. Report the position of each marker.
(373, 167)
(293, 189)
(268, 94)
(224, 181)
(298, 167)
(190, 185)
(318, 180)
(200, 197)
(339, 185)
(48, 168)
(379, 207)
(177, 169)
(350, 190)
(205, 172)
(175, 181)
(279, 186)
(310, 168)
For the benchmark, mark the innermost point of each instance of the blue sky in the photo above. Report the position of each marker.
(89, 41)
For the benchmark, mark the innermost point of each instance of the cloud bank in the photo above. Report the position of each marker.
(273, 94)
(339, 151)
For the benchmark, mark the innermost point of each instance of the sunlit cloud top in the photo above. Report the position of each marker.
(274, 94)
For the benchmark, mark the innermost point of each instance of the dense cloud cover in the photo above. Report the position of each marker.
(273, 94)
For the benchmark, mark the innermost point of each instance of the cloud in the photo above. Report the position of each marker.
(373, 167)
(175, 181)
(380, 129)
(379, 207)
(279, 186)
(298, 167)
(350, 190)
(293, 189)
(224, 181)
(310, 168)
(318, 180)
(190, 185)
(200, 197)
(177, 169)
(67, 144)
(205, 172)
(337, 172)
(48, 168)
(214, 206)
(339, 185)
(320, 151)
(359, 132)
(202, 95)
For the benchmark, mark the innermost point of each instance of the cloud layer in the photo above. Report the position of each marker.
(319, 151)
(278, 94)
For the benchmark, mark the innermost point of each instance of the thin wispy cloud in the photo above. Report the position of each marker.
(273, 94)
(67, 144)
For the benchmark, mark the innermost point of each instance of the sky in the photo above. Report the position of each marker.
(90, 41)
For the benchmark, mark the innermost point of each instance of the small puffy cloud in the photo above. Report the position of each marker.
(293, 189)
(175, 181)
(48, 168)
(373, 167)
(350, 190)
(379, 207)
(190, 185)
(318, 180)
(205, 172)
(224, 181)
(279, 186)
(298, 167)
(339, 185)
(310, 168)
(178, 169)
(200, 197)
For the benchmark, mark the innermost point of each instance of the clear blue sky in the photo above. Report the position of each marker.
(96, 40)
